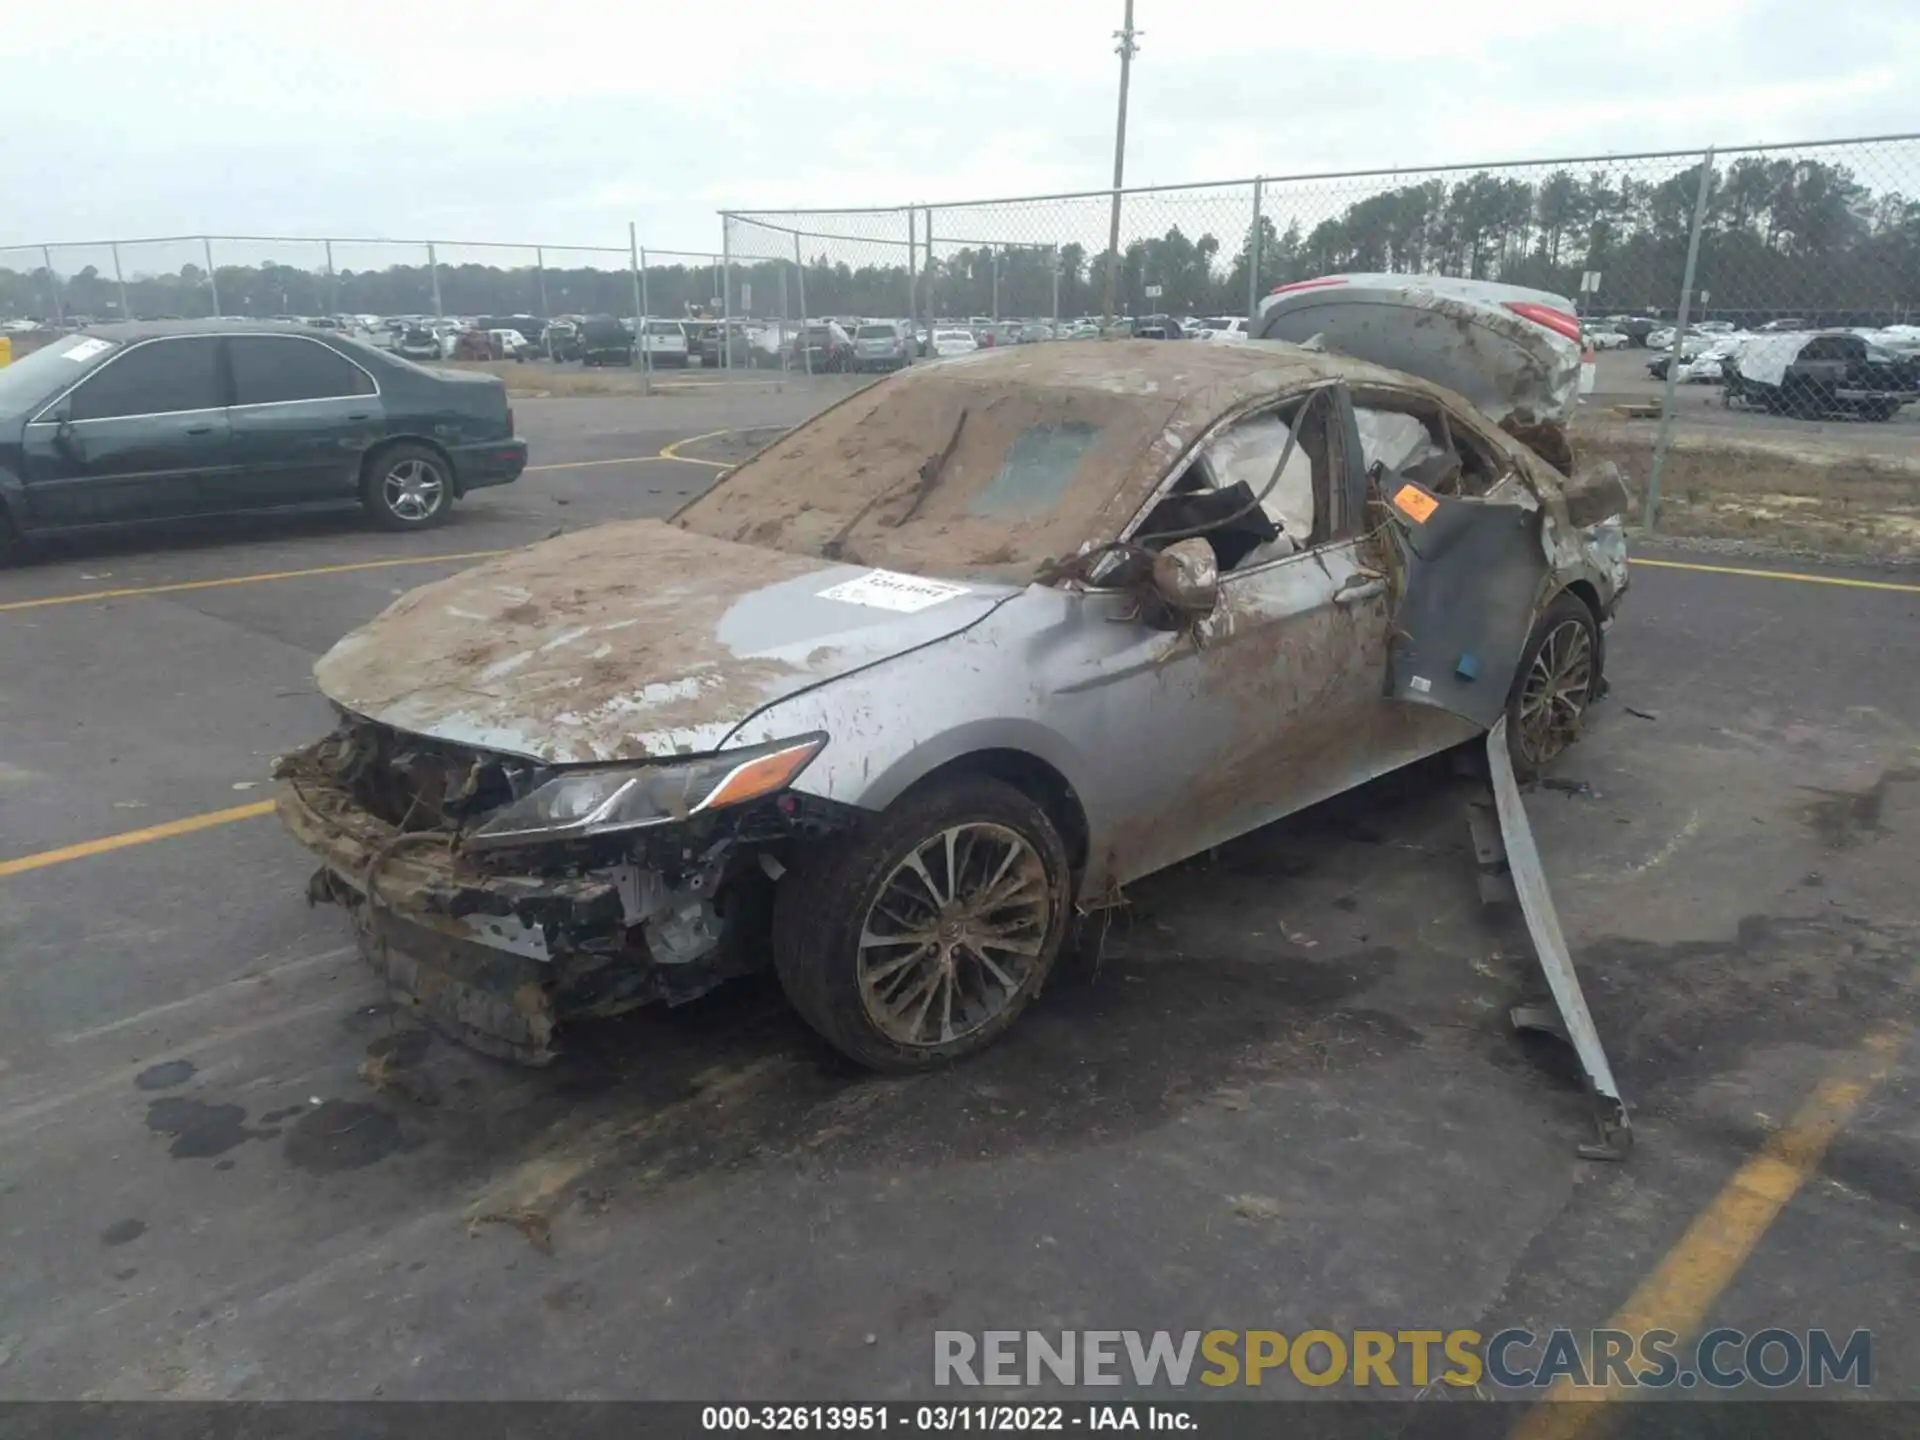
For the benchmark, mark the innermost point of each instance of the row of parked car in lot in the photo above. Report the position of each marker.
(1790, 368)
(825, 344)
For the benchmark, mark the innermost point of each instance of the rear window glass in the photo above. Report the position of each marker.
(875, 332)
(666, 327)
(275, 369)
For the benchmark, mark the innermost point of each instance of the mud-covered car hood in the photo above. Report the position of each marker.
(631, 640)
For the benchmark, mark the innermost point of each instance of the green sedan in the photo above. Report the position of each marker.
(176, 419)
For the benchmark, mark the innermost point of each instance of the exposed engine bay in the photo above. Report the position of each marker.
(496, 943)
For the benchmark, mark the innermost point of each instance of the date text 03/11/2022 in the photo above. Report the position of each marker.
(984, 1419)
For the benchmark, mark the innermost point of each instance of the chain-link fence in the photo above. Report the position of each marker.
(1822, 232)
(56, 287)
(267, 277)
(1674, 261)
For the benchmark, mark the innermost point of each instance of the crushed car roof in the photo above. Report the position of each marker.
(993, 463)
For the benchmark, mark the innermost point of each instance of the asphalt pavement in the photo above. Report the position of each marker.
(1276, 1089)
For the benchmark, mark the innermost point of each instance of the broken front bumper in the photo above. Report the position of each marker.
(488, 957)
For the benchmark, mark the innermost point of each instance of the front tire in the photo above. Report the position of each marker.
(407, 487)
(921, 936)
(1557, 682)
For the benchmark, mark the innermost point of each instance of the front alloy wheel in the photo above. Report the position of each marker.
(952, 937)
(920, 936)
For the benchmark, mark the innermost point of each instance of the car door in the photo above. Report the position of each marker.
(1821, 368)
(1266, 707)
(143, 437)
(302, 417)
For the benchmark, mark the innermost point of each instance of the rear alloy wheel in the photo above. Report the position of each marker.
(922, 936)
(1558, 679)
(407, 488)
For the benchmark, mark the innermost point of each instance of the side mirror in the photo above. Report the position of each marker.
(1186, 579)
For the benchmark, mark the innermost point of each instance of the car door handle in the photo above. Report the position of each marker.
(199, 429)
(363, 415)
(1354, 594)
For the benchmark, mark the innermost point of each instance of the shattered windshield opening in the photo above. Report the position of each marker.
(947, 474)
(1038, 468)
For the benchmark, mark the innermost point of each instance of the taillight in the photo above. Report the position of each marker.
(1308, 284)
(1558, 321)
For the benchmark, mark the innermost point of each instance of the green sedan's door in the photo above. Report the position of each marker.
(303, 415)
(143, 437)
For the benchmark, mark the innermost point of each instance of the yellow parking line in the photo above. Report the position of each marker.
(672, 452)
(1781, 575)
(134, 837)
(589, 464)
(44, 600)
(1690, 1277)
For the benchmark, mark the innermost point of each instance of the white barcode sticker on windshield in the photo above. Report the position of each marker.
(890, 590)
(85, 349)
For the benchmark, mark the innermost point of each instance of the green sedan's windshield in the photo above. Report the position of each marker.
(49, 370)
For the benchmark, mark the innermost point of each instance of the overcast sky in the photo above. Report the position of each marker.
(560, 121)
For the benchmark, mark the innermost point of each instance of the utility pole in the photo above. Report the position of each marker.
(1128, 38)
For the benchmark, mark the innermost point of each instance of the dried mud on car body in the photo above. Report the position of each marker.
(649, 596)
(860, 472)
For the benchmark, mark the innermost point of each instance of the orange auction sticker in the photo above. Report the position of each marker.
(1414, 502)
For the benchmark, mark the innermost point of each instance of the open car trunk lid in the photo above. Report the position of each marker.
(1458, 334)
(628, 641)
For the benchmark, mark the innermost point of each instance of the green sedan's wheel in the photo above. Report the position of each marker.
(921, 936)
(407, 488)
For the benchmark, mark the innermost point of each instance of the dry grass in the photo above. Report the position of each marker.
(1792, 492)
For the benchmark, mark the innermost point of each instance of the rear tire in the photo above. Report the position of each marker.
(9, 539)
(407, 487)
(903, 1005)
(1557, 682)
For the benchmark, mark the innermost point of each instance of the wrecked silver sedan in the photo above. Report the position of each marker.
(971, 650)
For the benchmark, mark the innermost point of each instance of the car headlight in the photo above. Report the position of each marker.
(580, 804)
